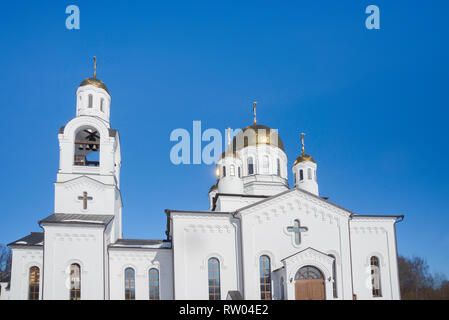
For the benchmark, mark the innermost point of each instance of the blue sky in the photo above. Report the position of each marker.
(374, 103)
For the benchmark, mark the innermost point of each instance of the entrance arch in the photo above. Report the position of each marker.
(309, 284)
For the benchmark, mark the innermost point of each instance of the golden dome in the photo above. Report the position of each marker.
(302, 158)
(94, 82)
(260, 135)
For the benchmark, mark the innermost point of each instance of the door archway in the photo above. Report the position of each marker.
(309, 284)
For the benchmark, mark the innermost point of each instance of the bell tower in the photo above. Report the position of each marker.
(88, 180)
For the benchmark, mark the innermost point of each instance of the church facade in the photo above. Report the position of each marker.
(260, 238)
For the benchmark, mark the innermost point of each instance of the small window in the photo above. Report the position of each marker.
(232, 170)
(301, 175)
(240, 173)
(75, 282)
(101, 104)
(309, 174)
(91, 101)
(278, 167)
(154, 284)
(214, 279)
(265, 278)
(34, 280)
(130, 284)
(375, 277)
(224, 171)
(250, 166)
(294, 176)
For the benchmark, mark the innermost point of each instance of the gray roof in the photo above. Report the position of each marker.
(141, 243)
(33, 239)
(234, 295)
(95, 219)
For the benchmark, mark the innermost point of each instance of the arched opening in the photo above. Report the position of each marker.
(153, 275)
(309, 284)
(375, 277)
(213, 267)
(87, 147)
(34, 280)
(130, 284)
(250, 165)
(265, 278)
(75, 281)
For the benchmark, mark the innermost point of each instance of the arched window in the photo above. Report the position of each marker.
(278, 167)
(266, 165)
(250, 165)
(265, 277)
(334, 276)
(224, 171)
(33, 284)
(240, 173)
(153, 275)
(294, 177)
(130, 284)
(301, 175)
(309, 174)
(375, 277)
(101, 104)
(87, 147)
(214, 278)
(91, 101)
(75, 281)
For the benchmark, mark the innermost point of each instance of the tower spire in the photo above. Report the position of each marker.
(302, 144)
(254, 111)
(95, 67)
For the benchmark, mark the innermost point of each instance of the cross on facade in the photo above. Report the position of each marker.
(297, 229)
(85, 198)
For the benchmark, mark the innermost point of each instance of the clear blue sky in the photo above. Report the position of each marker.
(374, 103)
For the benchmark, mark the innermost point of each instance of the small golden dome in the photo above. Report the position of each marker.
(94, 82)
(302, 158)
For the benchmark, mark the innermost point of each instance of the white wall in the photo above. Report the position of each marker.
(374, 237)
(196, 238)
(264, 227)
(23, 258)
(141, 260)
(69, 244)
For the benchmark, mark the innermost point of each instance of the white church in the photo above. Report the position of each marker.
(260, 239)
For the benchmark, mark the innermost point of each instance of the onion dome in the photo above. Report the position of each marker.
(94, 82)
(302, 158)
(255, 135)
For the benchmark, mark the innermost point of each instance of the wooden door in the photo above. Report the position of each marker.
(312, 289)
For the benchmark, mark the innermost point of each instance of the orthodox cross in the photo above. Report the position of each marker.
(297, 229)
(302, 143)
(254, 111)
(85, 198)
(95, 67)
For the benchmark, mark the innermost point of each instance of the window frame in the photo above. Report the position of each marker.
(214, 278)
(34, 283)
(265, 278)
(130, 283)
(154, 290)
(75, 293)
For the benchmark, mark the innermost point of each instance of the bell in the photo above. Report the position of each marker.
(80, 147)
(94, 148)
